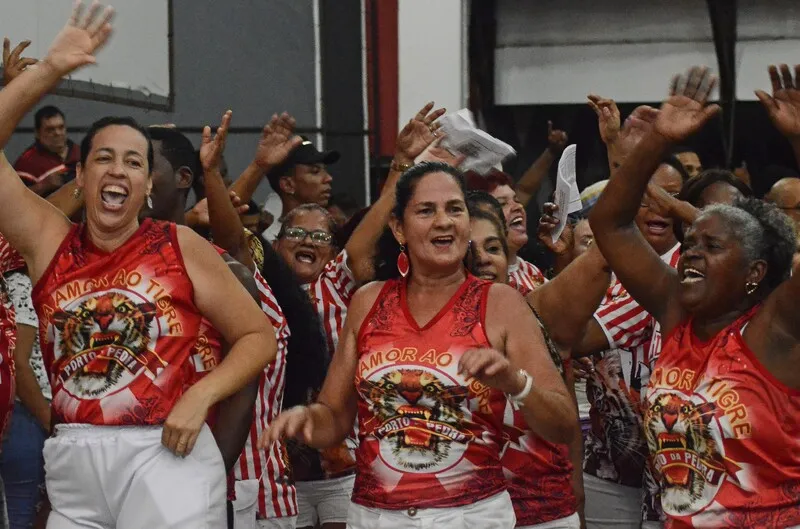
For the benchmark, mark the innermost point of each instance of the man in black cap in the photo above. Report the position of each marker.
(301, 179)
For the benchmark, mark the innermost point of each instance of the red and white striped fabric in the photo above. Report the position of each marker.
(624, 322)
(523, 275)
(654, 350)
(331, 294)
(277, 497)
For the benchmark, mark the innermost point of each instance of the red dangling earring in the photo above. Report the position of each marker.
(402, 262)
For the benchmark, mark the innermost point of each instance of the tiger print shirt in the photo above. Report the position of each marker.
(117, 328)
(723, 433)
(428, 436)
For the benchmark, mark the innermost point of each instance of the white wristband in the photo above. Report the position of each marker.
(520, 397)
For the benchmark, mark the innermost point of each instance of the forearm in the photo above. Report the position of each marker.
(30, 394)
(576, 450)
(685, 212)
(531, 181)
(64, 199)
(362, 244)
(329, 429)
(245, 186)
(234, 420)
(615, 158)
(592, 340)
(21, 94)
(226, 226)
(620, 201)
(551, 415)
(246, 360)
(568, 302)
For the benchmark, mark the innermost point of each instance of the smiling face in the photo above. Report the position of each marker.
(516, 218)
(115, 178)
(306, 257)
(489, 259)
(435, 225)
(53, 134)
(657, 229)
(713, 268)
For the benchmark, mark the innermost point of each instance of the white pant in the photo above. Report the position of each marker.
(123, 478)
(610, 505)
(287, 522)
(325, 501)
(495, 512)
(572, 521)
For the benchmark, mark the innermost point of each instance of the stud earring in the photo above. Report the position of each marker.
(750, 287)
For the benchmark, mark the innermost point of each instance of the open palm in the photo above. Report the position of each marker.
(277, 141)
(80, 39)
(685, 111)
(783, 106)
(211, 149)
(418, 133)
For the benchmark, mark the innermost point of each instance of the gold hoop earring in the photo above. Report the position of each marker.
(76, 193)
(750, 287)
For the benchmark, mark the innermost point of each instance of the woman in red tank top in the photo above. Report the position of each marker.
(723, 404)
(120, 304)
(424, 361)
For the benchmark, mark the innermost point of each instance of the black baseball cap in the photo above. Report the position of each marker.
(306, 154)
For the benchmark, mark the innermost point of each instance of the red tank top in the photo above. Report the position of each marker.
(428, 437)
(117, 328)
(723, 433)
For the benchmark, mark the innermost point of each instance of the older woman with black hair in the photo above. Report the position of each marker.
(723, 405)
(433, 352)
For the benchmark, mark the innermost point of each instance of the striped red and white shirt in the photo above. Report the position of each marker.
(277, 497)
(615, 447)
(524, 275)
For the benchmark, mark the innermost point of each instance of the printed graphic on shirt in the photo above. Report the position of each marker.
(420, 412)
(686, 437)
(102, 342)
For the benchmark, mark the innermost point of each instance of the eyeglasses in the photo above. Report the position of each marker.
(318, 237)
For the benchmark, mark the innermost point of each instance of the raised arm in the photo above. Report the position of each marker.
(32, 226)
(243, 326)
(531, 181)
(649, 280)
(783, 106)
(412, 141)
(227, 229)
(277, 142)
(518, 343)
(327, 422)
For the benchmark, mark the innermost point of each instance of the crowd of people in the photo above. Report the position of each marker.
(400, 366)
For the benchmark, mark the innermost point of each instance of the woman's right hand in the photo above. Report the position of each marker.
(295, 423)
(547, 223)
(685, 111)
(81, 38)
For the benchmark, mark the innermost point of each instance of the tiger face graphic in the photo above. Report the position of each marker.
(686, 454)
(420, 417)
(97, 322)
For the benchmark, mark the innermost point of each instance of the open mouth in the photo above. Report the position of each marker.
(692, 275)
(114, 196)
(414, 412)
(305, 257)
(487, 275)
(100, 339)
(443, 242)
(657, 227)
(517, 223)
(674, 474)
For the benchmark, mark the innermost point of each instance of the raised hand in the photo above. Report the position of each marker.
(436, 153)
(608, 117)
(556, 139)
(418, 134)
(294, 423)
(13, 63)
(211, 149)
(492, 368)
(685, 111)
(783, 106)
(547, 223)
(81, 38)
(277, 141)
(198, 216)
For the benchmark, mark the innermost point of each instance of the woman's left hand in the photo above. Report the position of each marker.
(492, 368)
(185, 421)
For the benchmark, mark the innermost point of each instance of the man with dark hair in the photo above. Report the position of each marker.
(174, 167)
(302, 179)
(50, 161)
